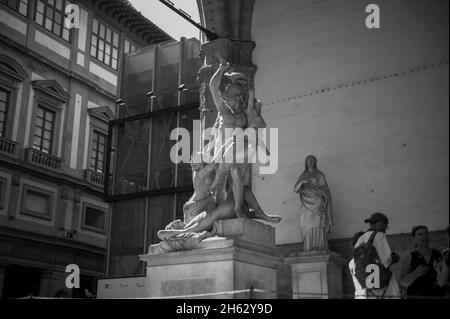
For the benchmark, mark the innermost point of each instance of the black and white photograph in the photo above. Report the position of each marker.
(230, 157)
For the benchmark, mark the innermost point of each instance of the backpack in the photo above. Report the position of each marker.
(365, 255)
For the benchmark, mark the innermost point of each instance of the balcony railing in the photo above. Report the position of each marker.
(8, 147)
(42, 159)
(94, 177)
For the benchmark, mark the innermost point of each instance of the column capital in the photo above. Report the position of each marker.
(228, 19)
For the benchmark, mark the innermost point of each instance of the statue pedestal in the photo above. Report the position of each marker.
(241, 257)
(317, 274)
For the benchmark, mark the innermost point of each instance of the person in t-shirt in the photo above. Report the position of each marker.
(419, 275)
(379, 223)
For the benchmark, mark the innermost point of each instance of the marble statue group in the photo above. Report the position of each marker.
(222, 189)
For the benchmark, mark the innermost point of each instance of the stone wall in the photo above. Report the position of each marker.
(372, 105)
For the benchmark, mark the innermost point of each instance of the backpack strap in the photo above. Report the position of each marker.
(371, 238)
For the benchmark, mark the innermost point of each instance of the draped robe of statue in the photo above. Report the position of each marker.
(316, 217)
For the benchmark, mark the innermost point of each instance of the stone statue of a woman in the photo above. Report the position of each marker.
(316, 210)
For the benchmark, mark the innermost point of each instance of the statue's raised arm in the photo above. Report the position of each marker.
(214, 84)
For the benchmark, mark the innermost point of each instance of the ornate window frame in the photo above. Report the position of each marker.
(11, 75)
(49, 13)
(113, 41)
(99, 119)
(89, 227)
(48, 215)
(50, 95)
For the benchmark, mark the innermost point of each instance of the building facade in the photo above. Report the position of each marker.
(58, 91)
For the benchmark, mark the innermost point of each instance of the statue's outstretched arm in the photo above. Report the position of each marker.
(214, 84)
(251, 101)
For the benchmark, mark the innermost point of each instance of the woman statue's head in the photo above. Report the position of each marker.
(310, 163)
(421, 236)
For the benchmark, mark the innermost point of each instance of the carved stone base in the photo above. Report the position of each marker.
(243, 257)
(317, 274)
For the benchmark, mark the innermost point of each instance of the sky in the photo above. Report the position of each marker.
(169, 21)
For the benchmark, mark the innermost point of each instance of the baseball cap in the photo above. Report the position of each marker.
(377, 217)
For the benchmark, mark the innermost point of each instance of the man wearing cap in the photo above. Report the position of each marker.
(379, 223)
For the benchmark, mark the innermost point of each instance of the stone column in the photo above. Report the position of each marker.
(2, 278)
(46, 279)
(76, 209)
(14, 196)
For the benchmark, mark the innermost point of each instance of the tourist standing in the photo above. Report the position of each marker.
(376, 237)
(419, 276)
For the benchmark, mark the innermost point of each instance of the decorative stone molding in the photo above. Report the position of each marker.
(11, 68)
(102, 113)
(51, 88)
(54, 67)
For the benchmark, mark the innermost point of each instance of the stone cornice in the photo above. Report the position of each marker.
(20, 234)
(59, 178)
(48, 64)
